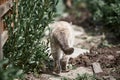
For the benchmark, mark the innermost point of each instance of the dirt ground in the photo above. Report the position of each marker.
(109, 59)
(88, 52)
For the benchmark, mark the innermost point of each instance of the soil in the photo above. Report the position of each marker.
(108, 57)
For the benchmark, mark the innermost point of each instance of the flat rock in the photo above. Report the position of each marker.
(96, 67)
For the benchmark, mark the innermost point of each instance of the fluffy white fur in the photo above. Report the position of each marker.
(61, 42)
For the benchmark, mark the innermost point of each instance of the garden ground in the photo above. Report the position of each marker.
(91, 46)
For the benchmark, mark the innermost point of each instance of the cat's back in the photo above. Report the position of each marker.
(61, 26)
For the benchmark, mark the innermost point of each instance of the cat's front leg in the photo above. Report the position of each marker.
(57, 68)
(64, 63)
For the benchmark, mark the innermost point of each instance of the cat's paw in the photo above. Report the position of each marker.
(57, 71)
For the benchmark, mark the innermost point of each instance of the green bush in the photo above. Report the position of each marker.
(106, 12)
(24, 47)
(9, 72)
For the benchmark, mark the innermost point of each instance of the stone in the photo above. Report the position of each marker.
(96, 67)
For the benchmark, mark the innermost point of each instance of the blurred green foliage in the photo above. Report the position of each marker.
(24, 47)
(106, 12)
(9, 72)
(60, 8)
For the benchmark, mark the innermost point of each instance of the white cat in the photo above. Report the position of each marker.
(61, 42)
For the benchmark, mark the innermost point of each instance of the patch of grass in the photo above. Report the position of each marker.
(82, 77)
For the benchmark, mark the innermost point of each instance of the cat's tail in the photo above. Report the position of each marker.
(68, 51)
(62, 40)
